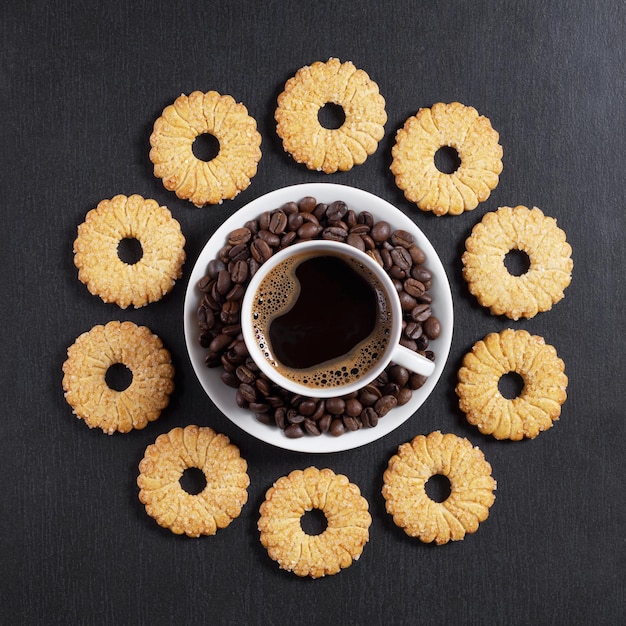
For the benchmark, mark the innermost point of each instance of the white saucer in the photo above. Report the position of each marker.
(224, 397)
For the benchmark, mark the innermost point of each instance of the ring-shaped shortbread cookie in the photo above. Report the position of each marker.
(447, 126)
(347, 516)
(225, 175)
(330, 149)
(194, 514)
(97, 258)
(538, 404)
(549, 254)
(88, 361)
(471, 487)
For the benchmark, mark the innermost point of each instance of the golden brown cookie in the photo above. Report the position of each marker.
(453, 126)
(221, 499)
(98, 262)
(327, 149)
(225, 175)
(346, 514)
(549, 272)
(84, 380)
(471, 488)
(539, 403)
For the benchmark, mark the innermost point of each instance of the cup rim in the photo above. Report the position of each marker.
(322, 245)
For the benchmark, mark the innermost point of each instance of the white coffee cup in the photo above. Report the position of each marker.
(319, 385)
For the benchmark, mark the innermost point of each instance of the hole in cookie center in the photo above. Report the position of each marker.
(331, 116)
(510, 385)
(438, 488)
(314, 522)
(447, 160)
(193, 481)
(118, 377)
(517, 262)
(129, 250)
(205, 147)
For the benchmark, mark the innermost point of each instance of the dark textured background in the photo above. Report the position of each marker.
(81, 84)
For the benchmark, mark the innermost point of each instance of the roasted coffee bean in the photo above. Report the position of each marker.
(413, 330)
(232, 330)
(401, 257)
(417, 255)
(263, 386)
(365, 217)
(260, 250)
(369, 395)
(230, 311)
(278, 222)
(407, 302)
(320, 210)
(245, 375)
(421, 312)
(287, 239)
(385, 404)
(353, 407)
(280, 417)
(258, 407)
(397, 273)
(421, 274)
(265, 418)
(402, 238)
(351, 423)
(219, 343)
(214, 267)
(236, 293)
(359, 229)
(252, 226)
(416, 381)
(223, 282)
(239, 271)
(289, 207)
(404, 395)
(293, 417)
(204, 284)
(323, 422)
(414, 287)
(411, 344)
(295, 220)
(336, 210)
(272, 240)
(432, 327)
(239, 236)
(206, 318)
(294, 431)
(350, 219)
(229, 379)
(264, 220)
(380, 231)
(310, 217)
(334, 233)
(312, 428)
(307, 204)
(369, 417)
(248, 392)
(398, 375)
(307, 407)
(336, 406)
(239, 252)
(356, 241)
(385, 255)
(337, 427)
(368, 242)
(308, 230)
(422, 342)
(425, 298)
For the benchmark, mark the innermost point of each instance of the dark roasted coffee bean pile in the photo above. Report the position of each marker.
(224, 285)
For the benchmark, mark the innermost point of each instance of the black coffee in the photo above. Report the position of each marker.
(322, 320)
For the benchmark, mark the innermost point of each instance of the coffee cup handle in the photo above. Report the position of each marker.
(413, 361)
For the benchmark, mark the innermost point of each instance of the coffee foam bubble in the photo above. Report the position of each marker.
(277, 294)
